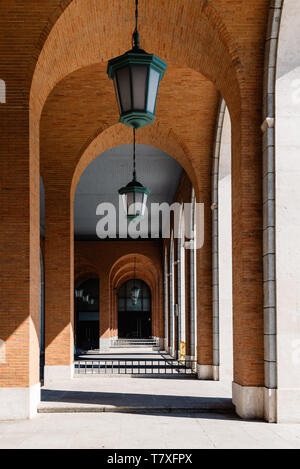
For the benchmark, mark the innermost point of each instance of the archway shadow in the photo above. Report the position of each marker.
(154, 404)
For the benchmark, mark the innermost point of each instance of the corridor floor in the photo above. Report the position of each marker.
(137, 431)
(124, 412)
(96, 393)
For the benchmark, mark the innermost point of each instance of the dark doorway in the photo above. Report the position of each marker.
(87, 315)
(134, 320)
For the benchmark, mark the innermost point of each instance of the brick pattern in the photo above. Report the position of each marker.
(48, 54)
(113, 261)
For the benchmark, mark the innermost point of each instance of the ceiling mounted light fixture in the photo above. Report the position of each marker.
(135, 291)
(134, 195)
(136, 75)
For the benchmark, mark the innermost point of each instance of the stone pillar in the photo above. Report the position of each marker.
(192, 298)
(59, 285)
(225, 253)
(105, 307)
(181, 298)
(287, 202)
(166, 301)
(172, 302)
(114, 314)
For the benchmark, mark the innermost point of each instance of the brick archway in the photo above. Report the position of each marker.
(108, 29)
(151, 274)
(208, 52)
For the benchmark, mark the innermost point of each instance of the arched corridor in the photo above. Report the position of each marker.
(205, 273)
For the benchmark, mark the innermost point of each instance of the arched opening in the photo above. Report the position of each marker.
(150, 304)
(134, 319)
(70, 86)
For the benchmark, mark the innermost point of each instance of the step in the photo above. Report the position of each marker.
(223, 406)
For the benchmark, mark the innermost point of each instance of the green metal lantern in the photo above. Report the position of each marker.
(135, 291)
(136, 75)
(134, 195)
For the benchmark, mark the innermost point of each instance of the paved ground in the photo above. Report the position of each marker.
(111, 393)
(142, 427)
(117, 431)
(91, 393)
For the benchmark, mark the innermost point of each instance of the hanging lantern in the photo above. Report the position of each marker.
(86, 298)
(78, 293)
(136, 77)
(135, 291)
(134, 195)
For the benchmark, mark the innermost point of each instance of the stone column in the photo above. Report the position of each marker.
(286, 171)
(166, 300)
(105, 327)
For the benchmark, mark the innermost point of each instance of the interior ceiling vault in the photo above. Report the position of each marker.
(112, 170)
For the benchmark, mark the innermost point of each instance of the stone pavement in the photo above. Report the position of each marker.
(137, 431)
(92, 394)
(142, 412)
(119, 393)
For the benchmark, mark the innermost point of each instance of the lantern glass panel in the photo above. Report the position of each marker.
(137, 207)
(153, 89)
(130, 204)
(124, 202)
(135, 295)
(139, 86)
(144, 204)
(123, 81)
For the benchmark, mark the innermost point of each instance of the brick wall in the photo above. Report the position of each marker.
(51, 68)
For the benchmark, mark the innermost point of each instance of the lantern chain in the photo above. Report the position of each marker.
(134, 270)
(134, 156)
(136, 36)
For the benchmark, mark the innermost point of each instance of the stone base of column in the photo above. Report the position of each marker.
(161, 343)
(270, 405)
(171, 351)
(216, 373)
(191, 358)
(248, 401)
(288, 405)
(57, 373)
(104, 344)
(19, 403)
(205, 372)
(166, 345)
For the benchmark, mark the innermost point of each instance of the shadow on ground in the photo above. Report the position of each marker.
(158, 404)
